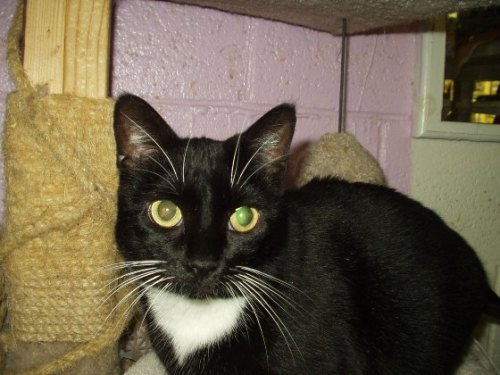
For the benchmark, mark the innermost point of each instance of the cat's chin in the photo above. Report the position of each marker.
(201, 295)
(202, 292)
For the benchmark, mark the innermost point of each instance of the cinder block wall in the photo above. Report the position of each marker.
(212, 73)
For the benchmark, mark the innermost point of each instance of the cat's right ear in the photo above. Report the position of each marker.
(139, 130)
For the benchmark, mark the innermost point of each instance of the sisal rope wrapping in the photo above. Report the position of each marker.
(60, 212)
(60, 217)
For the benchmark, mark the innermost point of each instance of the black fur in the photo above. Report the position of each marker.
(380, 284)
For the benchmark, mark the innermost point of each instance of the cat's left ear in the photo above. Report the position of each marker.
(270, 137)
(139, 130)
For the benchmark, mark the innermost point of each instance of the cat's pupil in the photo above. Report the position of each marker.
(166, 210)
(165, 213)
(244, 216)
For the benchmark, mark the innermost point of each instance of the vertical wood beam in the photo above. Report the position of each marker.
(67, 45)
(44, 43)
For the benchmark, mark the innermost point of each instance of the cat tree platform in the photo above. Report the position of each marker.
(326, 15)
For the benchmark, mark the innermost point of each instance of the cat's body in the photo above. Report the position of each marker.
(332, 278)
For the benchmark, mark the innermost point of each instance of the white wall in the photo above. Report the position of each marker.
(461, 181)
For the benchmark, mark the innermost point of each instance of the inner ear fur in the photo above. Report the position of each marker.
(139, 130)
(270, 137)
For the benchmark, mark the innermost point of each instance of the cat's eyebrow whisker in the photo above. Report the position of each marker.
(136, 124)
(250, 160)
(236, 158)
(184, 161)
(261, 167)
(168, 174)
(158, 175)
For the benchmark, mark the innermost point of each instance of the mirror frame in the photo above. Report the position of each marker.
(429, 103)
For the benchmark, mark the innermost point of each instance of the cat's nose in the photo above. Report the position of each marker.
(201, 267)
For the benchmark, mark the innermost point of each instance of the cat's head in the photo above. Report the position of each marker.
(195, 210)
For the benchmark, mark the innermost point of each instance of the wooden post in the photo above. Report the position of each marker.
(67, 44)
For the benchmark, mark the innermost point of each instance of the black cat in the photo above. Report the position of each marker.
(240, 276)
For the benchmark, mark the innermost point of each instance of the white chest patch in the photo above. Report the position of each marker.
(194, 324)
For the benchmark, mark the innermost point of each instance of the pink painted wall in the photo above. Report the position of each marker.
(7, 9)
(212, 73)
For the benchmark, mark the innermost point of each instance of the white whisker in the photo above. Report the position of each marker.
(130, 281)
(250, 160)
(151, 303)
(132, 292)
(122, 276)
(145, 287)
(154, 141)
(236, 158)
(169, 175)
(254, 292)
(254, 312)
(261, 167)
(273, 278)
(267, 288)
(167, 172)
(158, 175)
(184, 161)
(133, 263)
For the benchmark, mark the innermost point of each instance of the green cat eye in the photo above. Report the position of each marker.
(244, 219)
(165, 213)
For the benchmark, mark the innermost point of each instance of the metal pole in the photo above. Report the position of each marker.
(343, 76)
